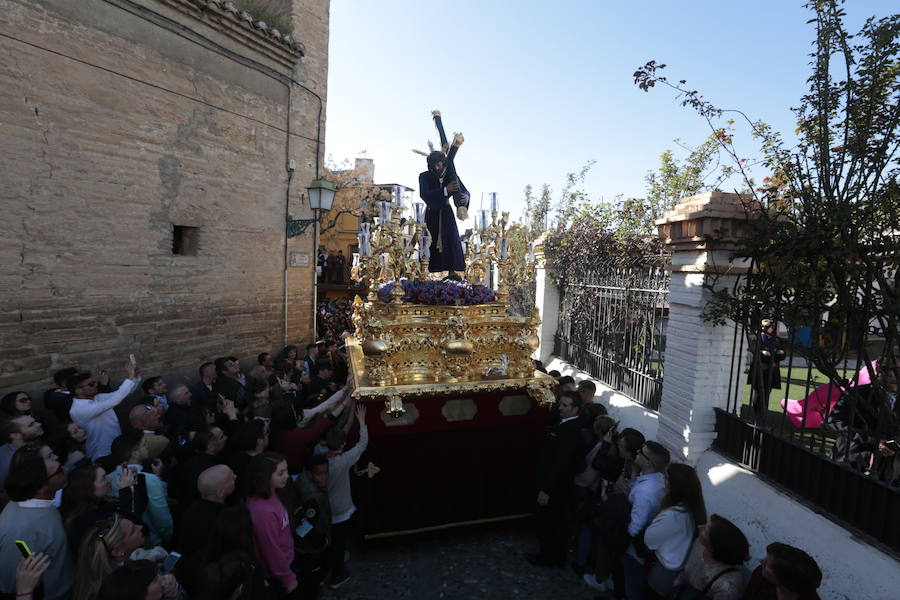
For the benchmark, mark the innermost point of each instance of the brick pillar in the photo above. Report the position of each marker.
(698, 359)
(546, 298)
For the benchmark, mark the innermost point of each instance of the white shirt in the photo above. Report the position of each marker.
(339, 496)
(36, 503)
(671, 535)
(646, 497)
(98, 418)
(163, 401)
(308, 413)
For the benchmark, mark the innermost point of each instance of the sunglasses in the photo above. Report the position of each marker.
(101, 535)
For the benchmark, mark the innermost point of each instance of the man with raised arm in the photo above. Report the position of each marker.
(95, 413)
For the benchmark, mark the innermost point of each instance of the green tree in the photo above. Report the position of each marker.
(674, 180)
(825, 239)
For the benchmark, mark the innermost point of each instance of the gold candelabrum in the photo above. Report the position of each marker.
(401, 349)
(491, 244)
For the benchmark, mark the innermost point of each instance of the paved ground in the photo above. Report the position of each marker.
(473, 563)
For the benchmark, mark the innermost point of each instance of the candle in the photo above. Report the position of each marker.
(364, 227)
(482, 220)
(504, 248)
(398, 195)
(419, 208)
(495, 205)
(464, 247)
(384, 261)
(405, 239)
(364, 248)
(355, 262)
(384, 210)
(426, 252)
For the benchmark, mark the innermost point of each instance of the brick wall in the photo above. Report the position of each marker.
(119, 123)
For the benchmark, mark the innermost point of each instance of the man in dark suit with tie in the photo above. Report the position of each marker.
(557, 465)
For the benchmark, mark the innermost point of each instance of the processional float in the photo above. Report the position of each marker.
(448, 361)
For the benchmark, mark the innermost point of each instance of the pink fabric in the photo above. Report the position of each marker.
(816, 406)
(819, 403)
(272, 539)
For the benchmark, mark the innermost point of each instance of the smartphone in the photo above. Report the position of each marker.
(131, 358)
(303, 528)
(170, 562)
(23, 548)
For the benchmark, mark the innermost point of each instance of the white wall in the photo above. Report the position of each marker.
(853, 569)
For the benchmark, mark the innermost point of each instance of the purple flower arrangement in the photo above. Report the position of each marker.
(439, 292)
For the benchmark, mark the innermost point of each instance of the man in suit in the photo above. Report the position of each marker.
(201, 392)
(557, 466)
(764, 374)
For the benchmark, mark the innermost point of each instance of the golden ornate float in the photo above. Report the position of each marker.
(401, 349)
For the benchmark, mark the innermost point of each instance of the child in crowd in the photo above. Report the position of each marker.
(272, 539)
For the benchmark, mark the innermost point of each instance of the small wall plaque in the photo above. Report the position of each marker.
(299, 259)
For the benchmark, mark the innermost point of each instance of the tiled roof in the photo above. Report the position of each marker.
(227, 17)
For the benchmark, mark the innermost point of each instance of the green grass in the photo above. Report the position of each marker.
(797, 389)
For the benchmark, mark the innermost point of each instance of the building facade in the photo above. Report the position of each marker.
(152, 152)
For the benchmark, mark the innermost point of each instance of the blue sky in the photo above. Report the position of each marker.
(540, 88)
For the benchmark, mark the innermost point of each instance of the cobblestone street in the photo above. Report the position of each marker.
(486, 562)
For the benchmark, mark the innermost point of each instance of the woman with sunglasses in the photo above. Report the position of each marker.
(15, 404)
(87, 499)
(107, 546)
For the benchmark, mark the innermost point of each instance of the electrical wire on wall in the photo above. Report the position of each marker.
(191, 35)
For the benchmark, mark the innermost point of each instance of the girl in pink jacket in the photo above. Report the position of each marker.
(272, 540)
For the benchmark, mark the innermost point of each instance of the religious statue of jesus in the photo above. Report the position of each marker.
(436, 190)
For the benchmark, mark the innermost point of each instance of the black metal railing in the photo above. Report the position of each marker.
(831, 487)
(810, 403)
(612, 324)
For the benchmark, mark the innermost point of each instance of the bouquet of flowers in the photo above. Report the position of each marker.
(440, 292)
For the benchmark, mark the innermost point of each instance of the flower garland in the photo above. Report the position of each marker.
(439, 292)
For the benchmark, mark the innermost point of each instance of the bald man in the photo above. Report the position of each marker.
(145, 417)
(215, 484)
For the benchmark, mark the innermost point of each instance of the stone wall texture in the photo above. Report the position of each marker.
(120, 120)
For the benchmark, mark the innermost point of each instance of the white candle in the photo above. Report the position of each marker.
(464, 247)
(495, 205)
(398, 195)
(384, 261)
(364, 227)
(355, 259)
(504, 248)
(384, 210)
(364, 248)
(419, 208)
(482, 220)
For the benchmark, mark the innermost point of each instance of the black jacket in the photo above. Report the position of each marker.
(560, 458)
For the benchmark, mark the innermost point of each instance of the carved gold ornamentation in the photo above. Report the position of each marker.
(403, 350)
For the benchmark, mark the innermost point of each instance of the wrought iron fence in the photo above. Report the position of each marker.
(612, 324)
(811, 404)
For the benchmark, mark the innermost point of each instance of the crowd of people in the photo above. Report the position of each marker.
(235, 487)
(331, 264)
(633, 523)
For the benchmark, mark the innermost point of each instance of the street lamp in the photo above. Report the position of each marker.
(321, 197)
(321, 194)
